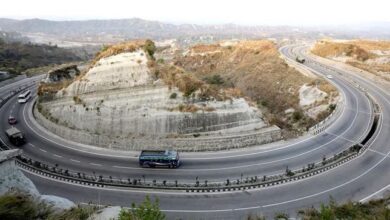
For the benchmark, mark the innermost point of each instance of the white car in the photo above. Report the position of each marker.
(329, 76)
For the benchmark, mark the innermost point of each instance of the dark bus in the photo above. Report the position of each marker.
(153, 158)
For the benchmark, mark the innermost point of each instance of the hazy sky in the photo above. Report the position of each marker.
(247, 12)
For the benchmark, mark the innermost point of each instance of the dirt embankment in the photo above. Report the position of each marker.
(255, 69)
(368, 55)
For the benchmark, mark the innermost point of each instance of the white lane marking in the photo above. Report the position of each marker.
(263, 163)
(208, 158)
(363, 112)
(343, 184)
(375, 193)
(77, 161)
(96, 164)
(32, 145)
(43, 150)
(340, 137)
(224, 210)
(383, 154)
(263, 206)
(57, 155)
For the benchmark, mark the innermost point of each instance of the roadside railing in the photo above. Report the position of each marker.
(55, 171)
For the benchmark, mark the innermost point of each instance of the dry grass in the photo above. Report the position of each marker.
(335, 49)
(52, 88)
(129, 46)
(174, 76)
(360, 53)
(201, 48)
(372, 45)
(252, 69)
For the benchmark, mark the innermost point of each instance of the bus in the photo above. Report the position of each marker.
(153, 158)
(24, 97)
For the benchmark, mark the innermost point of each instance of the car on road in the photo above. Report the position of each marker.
(12, 120)
(329, 76)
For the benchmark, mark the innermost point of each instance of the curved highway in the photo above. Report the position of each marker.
(356, 179)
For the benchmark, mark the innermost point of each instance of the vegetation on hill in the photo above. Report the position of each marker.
(255, 69)
(371, 56)
(250, 69)
(147, 210)
(18, 206)
(129, 46)
(16, 57)
(373, 210)
(15, 206)
(336, 49)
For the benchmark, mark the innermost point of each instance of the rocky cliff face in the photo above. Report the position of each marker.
(122, 96)
(12, 179)
(124, 70)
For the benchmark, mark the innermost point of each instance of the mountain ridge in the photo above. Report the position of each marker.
(134, 28)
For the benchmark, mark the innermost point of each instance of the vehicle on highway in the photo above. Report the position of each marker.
(24, 97)
(11, 120)
(15, 136)
(300, 60)
(153, 158)
(329, 76)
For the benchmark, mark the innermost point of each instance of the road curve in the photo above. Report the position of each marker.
(356, 180)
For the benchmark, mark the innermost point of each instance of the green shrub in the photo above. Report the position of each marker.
(150, 48)
(173, 95)
(214, 79)
(77, 100)
(147, 210)
(297, 115)
(332, 107)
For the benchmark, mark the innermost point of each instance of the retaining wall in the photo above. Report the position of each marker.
(209, 143)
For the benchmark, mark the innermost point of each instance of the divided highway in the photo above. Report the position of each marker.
(356, 179)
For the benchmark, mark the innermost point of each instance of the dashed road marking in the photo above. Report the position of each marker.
(43, 150)
(95, 164)
(383, 154)
(57, 155)
(77, 161)
(338, 136)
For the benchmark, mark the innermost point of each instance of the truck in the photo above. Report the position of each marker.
(153, 158)
(15, 136)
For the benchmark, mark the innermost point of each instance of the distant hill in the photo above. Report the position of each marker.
(16, 57)
(132, 28)
(136, 28)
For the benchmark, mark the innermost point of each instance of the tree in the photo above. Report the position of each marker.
(150, 48)
(326, 213)
(147, 210)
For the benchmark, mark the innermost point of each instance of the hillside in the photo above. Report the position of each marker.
(255, 69)
(371, 56)
(128, 100)
(16, 57)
